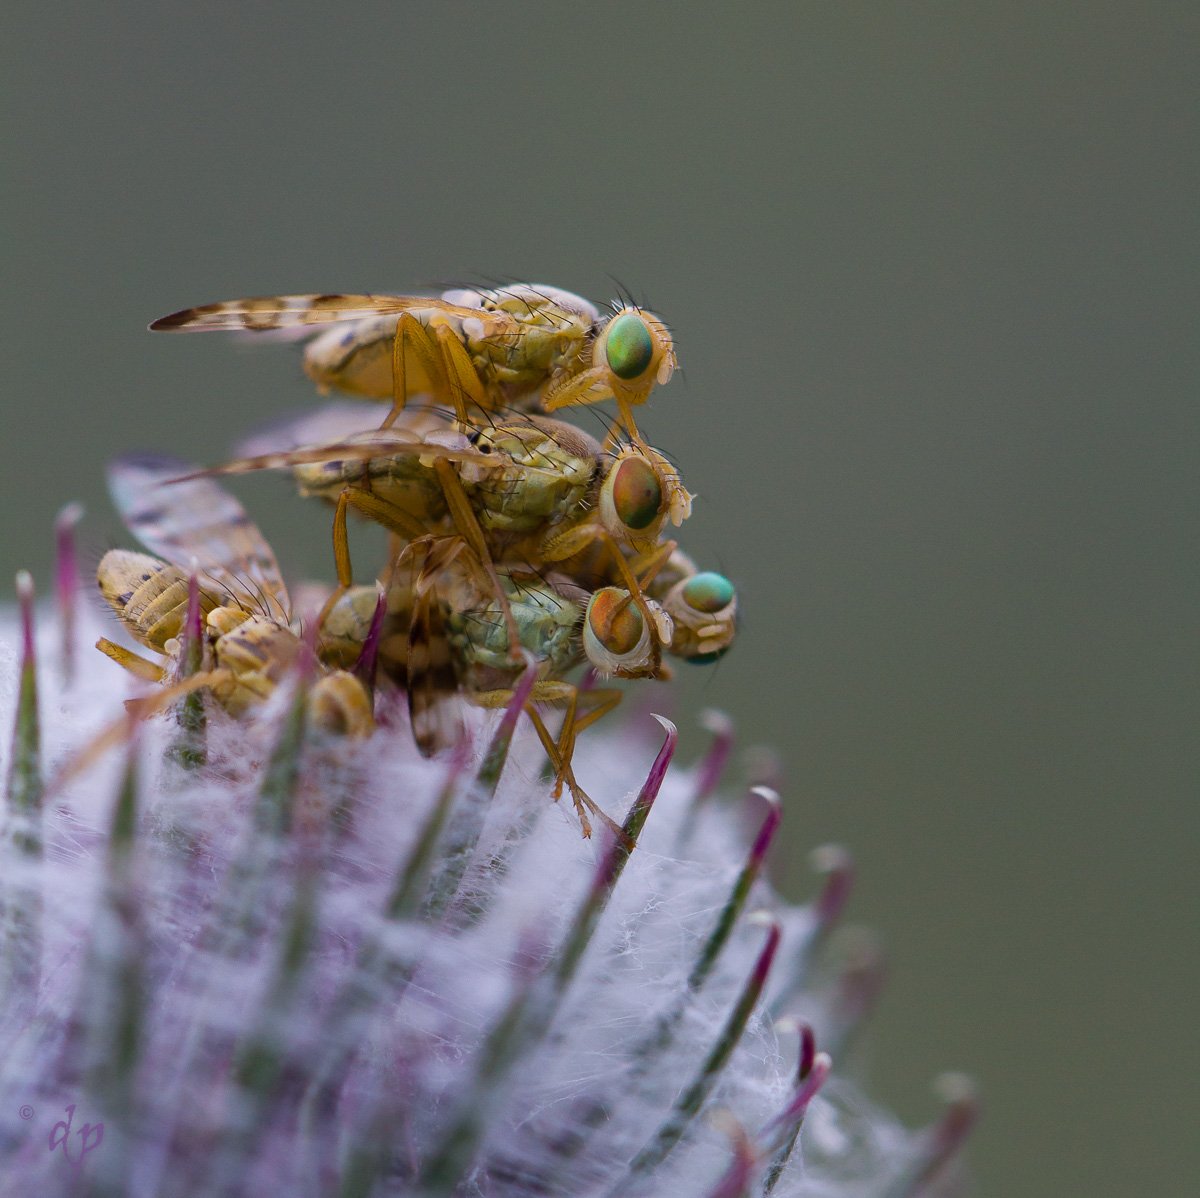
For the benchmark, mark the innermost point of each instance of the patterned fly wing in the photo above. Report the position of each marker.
(292, 311)
(199, 521)
(331, 422)
(432, 677)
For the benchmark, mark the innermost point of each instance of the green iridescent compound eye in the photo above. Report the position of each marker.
(628, 347)
(636, 493)
(708, 592)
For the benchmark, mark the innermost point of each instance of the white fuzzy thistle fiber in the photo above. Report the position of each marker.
(221, 989)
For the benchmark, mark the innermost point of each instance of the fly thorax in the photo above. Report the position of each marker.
(545, 626)
(223, 620)
(545, 482)
(259, 646)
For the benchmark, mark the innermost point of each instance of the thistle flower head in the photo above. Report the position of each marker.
(297, 964)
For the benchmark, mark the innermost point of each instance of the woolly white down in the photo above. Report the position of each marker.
(199, 1002)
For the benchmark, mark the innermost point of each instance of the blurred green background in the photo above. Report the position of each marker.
(931, 270)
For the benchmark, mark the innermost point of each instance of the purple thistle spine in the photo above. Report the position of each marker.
(941, 1144)
(66, 586)
(188, 747)
(368, 658)
(20, 890)
(693, 1098)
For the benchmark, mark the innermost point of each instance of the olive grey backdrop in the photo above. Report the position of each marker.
(931, 269)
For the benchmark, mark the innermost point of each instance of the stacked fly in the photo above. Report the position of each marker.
(517, 541)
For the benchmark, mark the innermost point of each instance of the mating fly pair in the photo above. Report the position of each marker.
(445, 614)
(525, 534)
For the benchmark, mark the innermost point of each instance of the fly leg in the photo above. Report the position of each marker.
(647, 565)
(462, 377)
(411, 337)
(135, 663)
(563, 545)
(626, 419)
(441, 355)
(341, 557)
(660, 633)
(554, 692)
(396, 520)
(467, 525)
(563, 770)
(600, 702)
(587, 387)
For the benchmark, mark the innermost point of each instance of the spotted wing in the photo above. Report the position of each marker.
(531, 297)
(292, 311)
(332, 422)
(432, 677)
(385, 443)
(433, 703)
(199, 521)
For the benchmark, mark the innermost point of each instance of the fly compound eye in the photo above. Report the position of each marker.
(632, 496)
(614, 621)
(708, 592)
(704, 610)
(614, 634)
(628, 346)
(634, 499)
